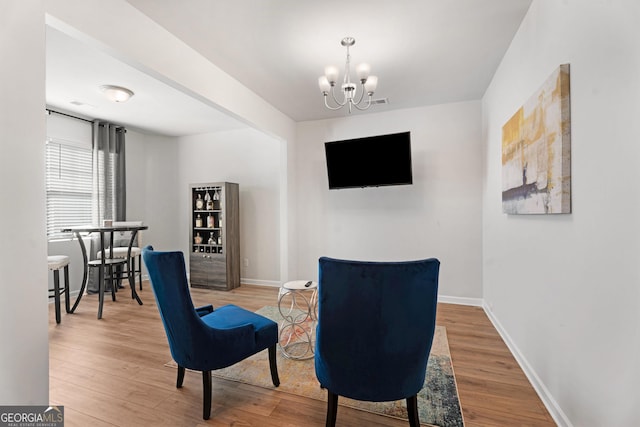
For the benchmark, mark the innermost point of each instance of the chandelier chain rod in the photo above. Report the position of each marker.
(347, 69)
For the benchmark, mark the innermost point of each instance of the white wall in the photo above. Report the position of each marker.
(438, 216)
(566, 289)
(24, 352)
(153, 188)
(251, 159)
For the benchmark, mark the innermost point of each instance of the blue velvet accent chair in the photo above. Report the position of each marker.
(204, 338)
(376, 322)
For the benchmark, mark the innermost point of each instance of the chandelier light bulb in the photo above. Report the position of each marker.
(363, 71)
(371, 84)
(331, 72)
(324, 84)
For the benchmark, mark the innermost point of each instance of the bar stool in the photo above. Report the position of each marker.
(55, 263)
(111, 275)
(120, 249)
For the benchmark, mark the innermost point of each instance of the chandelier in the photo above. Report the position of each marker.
(368, 83)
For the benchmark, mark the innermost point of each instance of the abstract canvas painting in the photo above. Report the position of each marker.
(536, 151)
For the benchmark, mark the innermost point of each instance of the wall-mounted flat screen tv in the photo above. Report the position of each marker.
(369, 162)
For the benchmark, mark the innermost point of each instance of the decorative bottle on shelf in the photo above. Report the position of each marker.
(197, 239)
(198, 221)
(220, 221)
(211, 241)
(210, 221)
(199, 202)
(208, 201)
(220, 239)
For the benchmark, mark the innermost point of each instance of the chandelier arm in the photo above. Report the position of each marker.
(326, 104)
(362, 91)
(365, 107)
(333, 95)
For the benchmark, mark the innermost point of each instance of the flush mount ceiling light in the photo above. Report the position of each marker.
(368, 83)
(116, 93)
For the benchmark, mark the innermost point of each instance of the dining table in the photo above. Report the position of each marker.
(106, 232)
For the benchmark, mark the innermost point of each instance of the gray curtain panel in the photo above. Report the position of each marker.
(109, 184)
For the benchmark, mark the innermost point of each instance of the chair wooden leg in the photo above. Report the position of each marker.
(332, 408)
(56, 293)
(412, 411)
(100, 291)
(112, 280)
(273, 366)
(180, 379)
(206, 385)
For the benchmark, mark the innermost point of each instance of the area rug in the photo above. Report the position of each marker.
(438, 402)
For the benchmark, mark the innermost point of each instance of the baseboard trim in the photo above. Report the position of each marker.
(549, 402)
(271, 283)
(476, 302)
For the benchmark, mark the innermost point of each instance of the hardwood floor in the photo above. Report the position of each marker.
(111, 372)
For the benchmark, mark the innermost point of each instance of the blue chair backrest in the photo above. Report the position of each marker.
(185, 330)
(376, 322)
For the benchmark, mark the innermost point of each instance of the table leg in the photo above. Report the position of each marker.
(67, 301)
(85, 276)
(293, 332)
(101, 277)
(56, 293)
(130, 272)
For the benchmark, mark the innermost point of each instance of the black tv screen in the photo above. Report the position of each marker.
(369, 162)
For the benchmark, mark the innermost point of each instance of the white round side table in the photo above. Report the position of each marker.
(298, 305)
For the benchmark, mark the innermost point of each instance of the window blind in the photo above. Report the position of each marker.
(68, 186)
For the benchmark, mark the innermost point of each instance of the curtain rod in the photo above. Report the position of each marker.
(49, 110)
(68, 115)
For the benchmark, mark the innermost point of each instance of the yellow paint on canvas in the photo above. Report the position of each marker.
(511, 136)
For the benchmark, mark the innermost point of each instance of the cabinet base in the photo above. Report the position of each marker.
(216, 287)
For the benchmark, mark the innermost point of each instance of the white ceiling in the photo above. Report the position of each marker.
(75, 71)
(424, 52)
